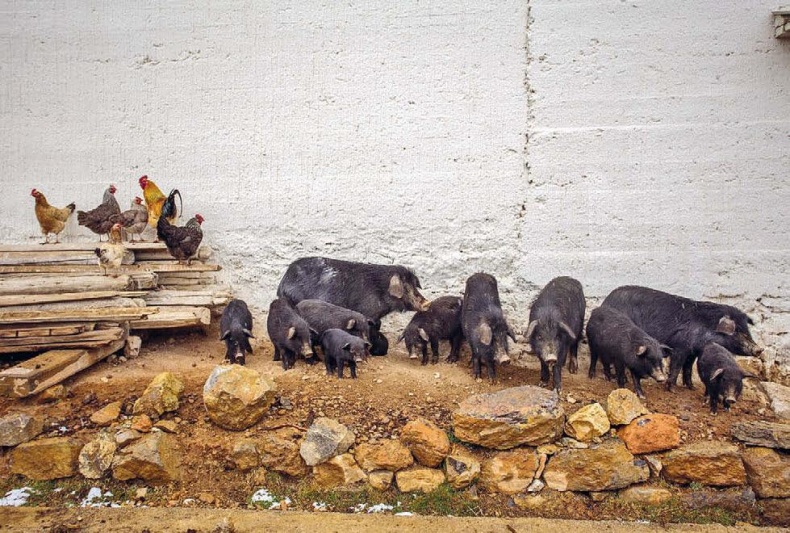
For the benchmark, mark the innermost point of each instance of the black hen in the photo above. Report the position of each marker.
(182, 242)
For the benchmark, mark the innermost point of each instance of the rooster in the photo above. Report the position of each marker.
(51, 219)
(98, 219)
(182, 242)
(111, 253)
(154, 200)
(134, 220)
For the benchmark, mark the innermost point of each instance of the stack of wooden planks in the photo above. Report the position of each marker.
(55, 298)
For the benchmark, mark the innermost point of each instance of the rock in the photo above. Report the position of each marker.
(337, 471)
(18, 428)
(529, 501)
(95, 458)
(168, 426)
(761, 433)
(154, 458)
(708, 463)
(509, 472)
(236, 397)
(536, 486)
(124, 437)
(428, 443)
(622, 406)
(645, 494)
(776, 511)
(768, 472)
(779, 396)
(245, 455)
(509, 418)
(607, 466)
(461, 469)
(651, 433)
(568, 442)
(419, 479)
(43, 459)
(548, 449)
(53, 394)
(381, 479)
(161, 396)
(598, 496)
(324, 439)
(654, 463)
(587, 423)
(386, 455)
(142, 423)
(107, 414)
(132, 347)
(279, 451)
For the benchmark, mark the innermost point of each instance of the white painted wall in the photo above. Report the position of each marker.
(657, 152)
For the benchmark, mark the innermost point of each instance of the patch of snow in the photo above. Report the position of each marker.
(404, 513)
(262, 496)
(358, 508)
(16, 497)
(380, 508)
(319, 506)
(96, 498)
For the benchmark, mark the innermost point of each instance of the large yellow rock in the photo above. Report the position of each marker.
(622, 406)
(337, 471)
(768, 472)
(651, 433)
(419, 479)
(607, 466)
(428, 442)
(42, 459)
(509, 418)
(107, 414)
(237, 397)
(96, 457)
(279, 451)
(588, 423)
(509, 472)
(708, 463)
(385, 455)
(155, 458)
(161, 396)
(461, 468)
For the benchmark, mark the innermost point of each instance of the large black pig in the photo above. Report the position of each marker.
(722, 376)
(683, 324)
(441, 322)
(483, 323)
(615, 339)
(289, 333)
(340, 349)
(235, 328)
(373, 290)
(556, 318)
(321, 316)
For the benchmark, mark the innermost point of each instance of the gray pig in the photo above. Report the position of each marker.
(341, 348)
(236, 330)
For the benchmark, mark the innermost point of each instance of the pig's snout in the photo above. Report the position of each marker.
(358, 359)
(550, 359)
(659, 376)
(728, 402)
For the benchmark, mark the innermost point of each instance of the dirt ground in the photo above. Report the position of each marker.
(389, 392)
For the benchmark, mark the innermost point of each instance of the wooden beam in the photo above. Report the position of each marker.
(30, 299)
(47, 285)
(56, 258)
(115, 314)
(10, 332)
(92, 268)
(20, 380)
(100, 336)
(75, 247)
(208, 298)
(174, 317)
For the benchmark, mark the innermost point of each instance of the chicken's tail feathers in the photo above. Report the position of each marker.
(169, 207)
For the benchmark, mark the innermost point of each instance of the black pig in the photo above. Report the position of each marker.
(483, 323)
(556, 318)
(373, 290)
(341, 348)
(378, 342)
(441, 322)
(322, 316)
(235, 328)
(615, 339)
(288, 332)
(683, 324)
(722, 376)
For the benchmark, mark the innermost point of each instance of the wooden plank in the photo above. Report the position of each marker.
(91, 268)
(78, 305)
(10, 332)
(56, 258)
(74, 247)
(186, 275)
(117, 314)
(22, 379)
(206, 298)
(101, 336)
(174, 317)
(92, 357)
(142, 256)
(29, 299)
(34, 284)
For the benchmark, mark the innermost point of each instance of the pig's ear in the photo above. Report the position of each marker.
(511, 333)
(248, 333)
(666, 350)
(291, 332)
(726, 325)
(423, 335)
(749, 375)
(396, 287)
(567, 329)
(717, 373)
(347, 346)
(484, 333)
(351, 323)
(641, 350)
(531, 329)
(402, 336)
(224, 335)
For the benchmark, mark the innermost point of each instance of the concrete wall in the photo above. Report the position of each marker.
(620, 142)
